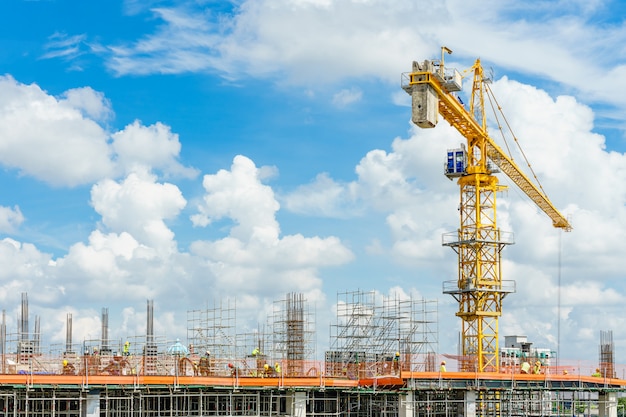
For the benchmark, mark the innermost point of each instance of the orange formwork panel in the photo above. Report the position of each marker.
(147, 380)
(283, 382)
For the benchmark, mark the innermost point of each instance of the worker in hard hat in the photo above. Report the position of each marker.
(233, 369)
(68, 368)
(256, 352)
(537, 368)
(597, 373)
(442, 367)
(277, 368)
(126, 349)
(525, 368)
(204, 364)
(396, 362)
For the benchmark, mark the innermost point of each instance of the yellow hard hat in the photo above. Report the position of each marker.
(266, 366)
(397, 353)
(276, 364)
(537, 363)
(64, 362)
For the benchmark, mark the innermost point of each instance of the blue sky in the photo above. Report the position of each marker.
(184, 151)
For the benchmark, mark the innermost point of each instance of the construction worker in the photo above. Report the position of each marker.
(442, 368)
(396, 362)
(537, 368)
(597, 373)
(256, 352)
(267, 371)
(126, 349)
(204, 364)
(277, 368)
(525, 368)
(68, 368)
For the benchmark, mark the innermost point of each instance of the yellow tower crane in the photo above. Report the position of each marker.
(479, 288)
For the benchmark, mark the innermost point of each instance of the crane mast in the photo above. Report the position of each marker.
(479, 288)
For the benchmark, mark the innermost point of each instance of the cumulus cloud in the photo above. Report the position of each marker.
(254, 255)
(63, 141)
(50, 140)
(239, 195)
(93, 104)
(139, 206)
(153, 147)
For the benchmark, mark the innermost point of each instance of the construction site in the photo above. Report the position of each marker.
(382, 361)
(383, 358)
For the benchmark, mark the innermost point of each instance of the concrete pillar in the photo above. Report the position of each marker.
(407, 405)
(607, 404)
(470, 404)
(296, 404)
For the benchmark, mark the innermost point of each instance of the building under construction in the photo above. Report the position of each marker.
(382, 361)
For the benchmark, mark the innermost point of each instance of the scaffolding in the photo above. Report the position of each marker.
(293, 334)
(381, 364)
(607, 355)
(214, 329)
(372, 339)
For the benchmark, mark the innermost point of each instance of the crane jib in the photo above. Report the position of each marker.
(453, 111)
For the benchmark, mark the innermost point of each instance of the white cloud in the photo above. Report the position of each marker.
(93, 104)
(331, 41)
(239, 195)
(254, 256)
(62, 45)
(23, 265)
(154, 147)
(347, 97)
(322, 197)
(10, 219)
(140, 206)
(61, 142)
(48, 139)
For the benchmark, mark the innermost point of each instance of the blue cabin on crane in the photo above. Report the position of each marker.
(456, 162)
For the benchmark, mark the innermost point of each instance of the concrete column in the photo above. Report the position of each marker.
(607, 404)
(407, 405)
(296, 404)
(470, 404)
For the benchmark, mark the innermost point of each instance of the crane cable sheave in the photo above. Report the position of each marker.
(433, 89)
